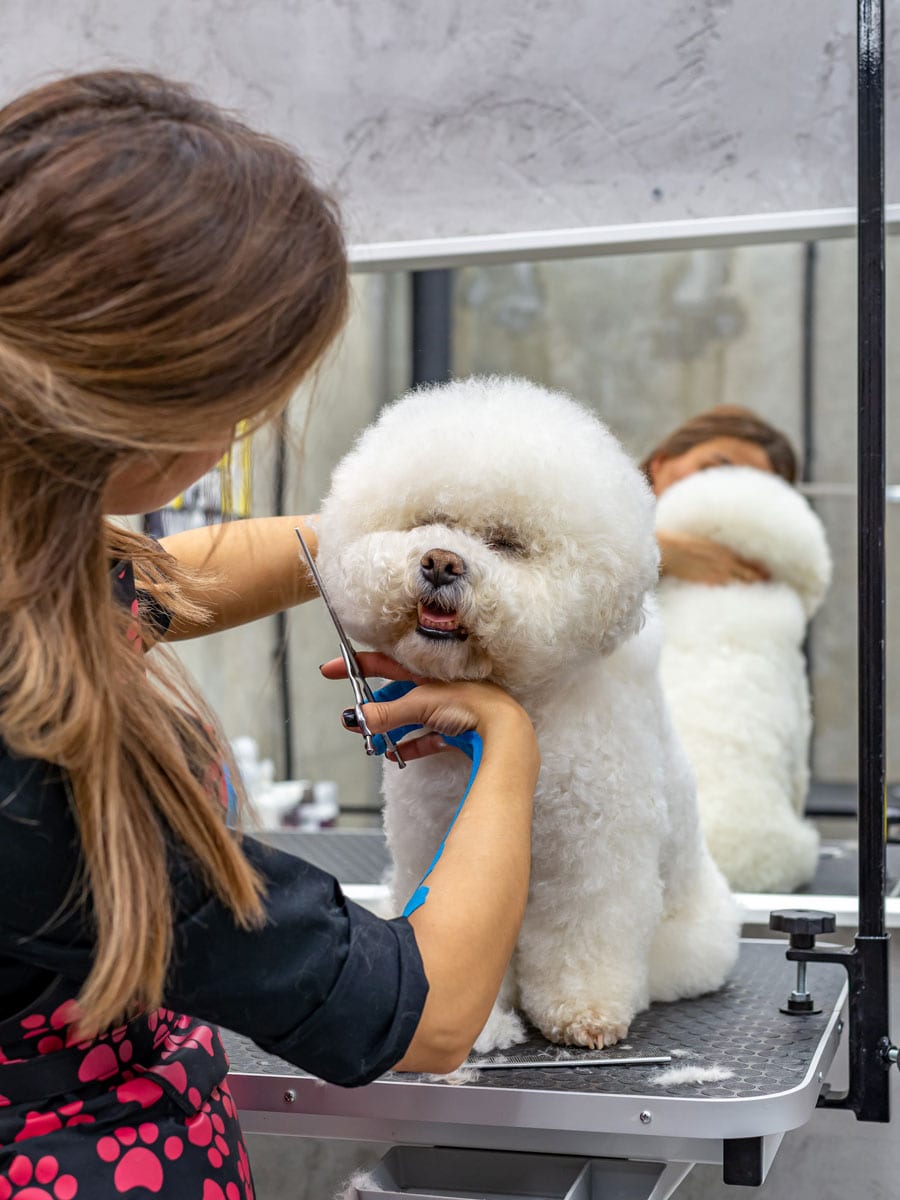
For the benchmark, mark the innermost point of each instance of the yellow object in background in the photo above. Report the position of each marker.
(222, 494)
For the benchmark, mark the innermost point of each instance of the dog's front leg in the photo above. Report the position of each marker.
(583, 956)
(504, 1026)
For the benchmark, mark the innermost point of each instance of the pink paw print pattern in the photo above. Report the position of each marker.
(173, 1032)
(213, 1191)
(138, 1156)
(105, 1056)
(39, 1123)
(54, 1032)
(37, 1181)
(137, 1142)
(207, 1129)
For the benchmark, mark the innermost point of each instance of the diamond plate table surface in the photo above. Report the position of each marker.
(738, 1028)
(351, 855)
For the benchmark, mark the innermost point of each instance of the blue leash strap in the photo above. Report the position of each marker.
(471, 745)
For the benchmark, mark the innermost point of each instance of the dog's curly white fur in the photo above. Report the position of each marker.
(509, 518)
(734, 672)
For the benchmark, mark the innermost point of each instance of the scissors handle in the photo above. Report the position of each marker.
(359, 695)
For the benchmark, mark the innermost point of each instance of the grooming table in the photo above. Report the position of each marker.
(586, 1132)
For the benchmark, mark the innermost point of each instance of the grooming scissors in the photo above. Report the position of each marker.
(362, 693)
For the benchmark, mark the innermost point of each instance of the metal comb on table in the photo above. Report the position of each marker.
(519, 1062)
(536, 1052)
(362, 693)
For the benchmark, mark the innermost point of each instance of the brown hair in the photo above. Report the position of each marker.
(165, 272)
(729, 420)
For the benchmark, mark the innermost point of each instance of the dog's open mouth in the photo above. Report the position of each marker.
(440, 624)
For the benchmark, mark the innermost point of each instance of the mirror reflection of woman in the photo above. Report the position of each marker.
(726, 435)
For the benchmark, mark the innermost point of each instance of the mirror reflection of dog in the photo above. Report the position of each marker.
(490, 529)
(734, 670)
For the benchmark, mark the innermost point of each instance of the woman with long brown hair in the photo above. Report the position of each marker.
(726, 435)
(165, 274)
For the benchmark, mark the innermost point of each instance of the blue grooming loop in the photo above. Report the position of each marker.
(470, 744)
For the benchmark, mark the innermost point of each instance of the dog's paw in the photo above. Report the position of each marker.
(584, 1029)
(504, 1028)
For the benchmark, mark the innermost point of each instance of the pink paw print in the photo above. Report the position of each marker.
(41, 1181)
(213, 1191)
(137, 1166)
(39, 1123)
(201, 1036)
(223, 1092)
(208, 1130)
(54, 1032)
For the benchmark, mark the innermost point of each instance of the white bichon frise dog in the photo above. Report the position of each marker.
(734, 673)
(490, 529)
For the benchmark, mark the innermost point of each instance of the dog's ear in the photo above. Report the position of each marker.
(625, 622)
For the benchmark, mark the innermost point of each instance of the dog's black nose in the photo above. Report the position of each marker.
(441, 567)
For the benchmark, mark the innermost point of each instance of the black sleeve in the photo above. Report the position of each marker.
(323, 983)
(153, 613)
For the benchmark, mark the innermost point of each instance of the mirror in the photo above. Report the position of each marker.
(646, 341)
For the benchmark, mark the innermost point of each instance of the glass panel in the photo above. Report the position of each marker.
(646, 341)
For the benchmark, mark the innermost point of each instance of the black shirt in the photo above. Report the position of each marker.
(323, 984)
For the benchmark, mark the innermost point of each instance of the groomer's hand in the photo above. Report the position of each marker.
(442, 708)
(478, 887)
(701, 560)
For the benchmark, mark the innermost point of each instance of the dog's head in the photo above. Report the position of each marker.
(488, 529)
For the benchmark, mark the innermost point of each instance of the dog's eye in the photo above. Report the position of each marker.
(503, 541)
(438, 518)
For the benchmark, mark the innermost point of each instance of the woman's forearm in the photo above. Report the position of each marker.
(245, 570)
(702, 560)
(467, 928)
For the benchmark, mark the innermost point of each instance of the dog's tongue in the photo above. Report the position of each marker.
(437, 618)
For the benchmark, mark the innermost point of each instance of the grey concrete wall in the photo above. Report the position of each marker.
(466, 117)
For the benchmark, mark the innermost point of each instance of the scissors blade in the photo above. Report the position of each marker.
(335, 619)
(361, 690)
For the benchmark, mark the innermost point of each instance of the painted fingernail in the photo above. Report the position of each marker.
(350, 719)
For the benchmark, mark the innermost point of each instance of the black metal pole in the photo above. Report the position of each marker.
(808, 398)
(870, 1048)
(871, 468)
(432, 326)
(280, 649)
(808, 364)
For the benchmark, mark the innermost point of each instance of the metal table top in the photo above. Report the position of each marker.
(354, 856)
(764, 1076)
